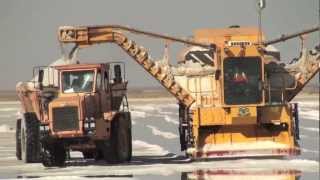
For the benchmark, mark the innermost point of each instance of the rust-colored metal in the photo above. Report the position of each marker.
(89, 32)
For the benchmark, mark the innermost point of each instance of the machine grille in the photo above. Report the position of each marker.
(65, 118)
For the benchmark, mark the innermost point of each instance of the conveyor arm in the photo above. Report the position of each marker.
(89, 35)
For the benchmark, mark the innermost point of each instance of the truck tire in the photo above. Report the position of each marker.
(88, 154)
(30, 145)
(98, 154)
(130, 144)
(18, 139)
(53, 155)
(119, 148)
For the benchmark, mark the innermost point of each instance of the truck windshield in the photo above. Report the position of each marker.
(77, 81)
(242, 80)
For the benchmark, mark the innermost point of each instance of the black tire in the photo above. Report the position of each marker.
(88, 154)
(130, 144)
(54, 155)
(30, 145)
(184, 176)
(98, 154)
(18, 139)
(119, 148)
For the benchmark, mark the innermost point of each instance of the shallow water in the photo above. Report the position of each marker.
(157, 155)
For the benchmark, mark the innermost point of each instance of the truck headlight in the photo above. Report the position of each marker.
(86, 125)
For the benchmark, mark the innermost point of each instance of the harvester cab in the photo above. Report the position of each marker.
(242, 77)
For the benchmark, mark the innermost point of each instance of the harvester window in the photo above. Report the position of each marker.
(77, 81)
(242, 79)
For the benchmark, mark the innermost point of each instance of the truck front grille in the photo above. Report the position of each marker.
(65, 118)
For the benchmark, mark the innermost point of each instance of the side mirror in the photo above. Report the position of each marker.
(261, 4)
(117, 74)
(40, 78)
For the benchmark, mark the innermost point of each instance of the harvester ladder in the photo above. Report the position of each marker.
(140, 55)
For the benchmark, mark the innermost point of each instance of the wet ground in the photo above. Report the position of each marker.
(157, 154)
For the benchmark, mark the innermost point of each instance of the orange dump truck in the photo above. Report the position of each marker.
(79, 107)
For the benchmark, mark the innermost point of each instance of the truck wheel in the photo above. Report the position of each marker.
(54, 155)
(30, 146)
(88, 154)
(130, 144)
(98, 154)
(18, 139)
(119, 148)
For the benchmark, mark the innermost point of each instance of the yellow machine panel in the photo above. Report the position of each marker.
(226, 116)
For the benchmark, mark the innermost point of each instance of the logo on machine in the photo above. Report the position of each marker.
(239, 43)
(244, 111)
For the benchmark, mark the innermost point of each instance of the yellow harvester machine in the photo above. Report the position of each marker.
(234, 95)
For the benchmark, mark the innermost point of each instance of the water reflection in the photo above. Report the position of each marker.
(242, 175)
(129, 176)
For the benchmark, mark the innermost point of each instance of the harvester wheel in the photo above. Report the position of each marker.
(119, 148)
(54, 155)
(18, 139)
(30, 146)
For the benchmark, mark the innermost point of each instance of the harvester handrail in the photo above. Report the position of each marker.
(290, 36)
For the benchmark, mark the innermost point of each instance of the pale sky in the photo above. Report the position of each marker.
(29, 28)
